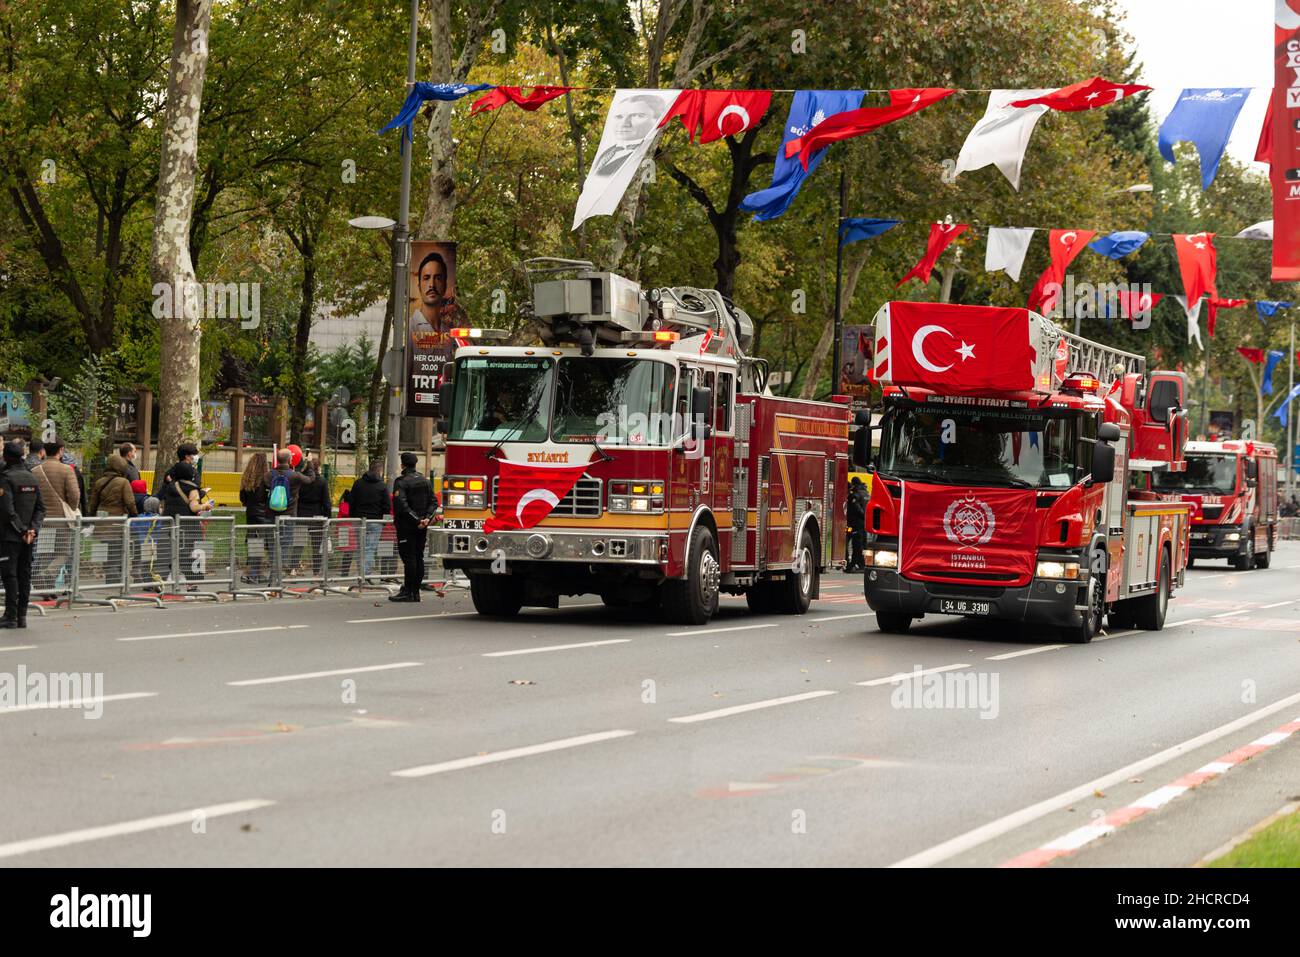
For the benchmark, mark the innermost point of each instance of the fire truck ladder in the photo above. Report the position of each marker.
(1105, 362)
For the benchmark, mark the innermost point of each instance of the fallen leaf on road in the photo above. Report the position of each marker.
(1099, 794)
(281, 726)
(246, 828)
(522, 681)
(717, 694)
(1134, 780)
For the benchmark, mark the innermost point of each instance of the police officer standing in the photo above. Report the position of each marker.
(414, 506)
(21, 513)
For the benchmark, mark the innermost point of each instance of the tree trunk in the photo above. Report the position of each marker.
(823, 348)
(180, 416)
(375, 419)
(440, 202)
(302, 339)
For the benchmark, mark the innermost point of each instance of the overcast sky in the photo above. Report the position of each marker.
(1183, 43)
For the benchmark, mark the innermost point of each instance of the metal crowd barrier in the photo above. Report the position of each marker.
(300, 554)
(151, 560)
(343, 548)
(1288, 528)
(253, 561)
(52, 562)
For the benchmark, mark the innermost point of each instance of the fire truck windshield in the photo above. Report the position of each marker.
(1012, 447)
(502, 398)
(1215, 474)
(614, 401)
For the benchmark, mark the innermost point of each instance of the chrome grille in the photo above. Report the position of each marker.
(583, 501)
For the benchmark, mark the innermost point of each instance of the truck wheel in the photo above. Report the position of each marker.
(1149, 611)
(496, 596)
(1084, 632)
(1246, 560)
(1262, 559)
(794, 594)
(893, 622)
(693, 599)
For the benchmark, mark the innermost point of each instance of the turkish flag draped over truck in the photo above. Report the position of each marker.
(527, 493)
(969, 534)
(955, 349)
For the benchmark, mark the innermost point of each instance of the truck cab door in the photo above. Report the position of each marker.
(722, 453)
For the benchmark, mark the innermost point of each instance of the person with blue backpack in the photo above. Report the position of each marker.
(283, 484)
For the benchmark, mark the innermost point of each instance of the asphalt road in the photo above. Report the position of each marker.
(351, 731)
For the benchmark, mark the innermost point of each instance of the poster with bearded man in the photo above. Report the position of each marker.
(431, 315)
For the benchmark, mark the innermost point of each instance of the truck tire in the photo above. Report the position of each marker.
(1149, 610)
(893, 622)
(793, 594)
(496, 596)
(1264, 558)
(1246, 560)
(1086, 630)
(693, 600)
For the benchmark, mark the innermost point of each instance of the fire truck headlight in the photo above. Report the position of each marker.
(1232, 537)
(456, 499)
(618, 505)
(1069, 570)
(640, 505)
(882, 558)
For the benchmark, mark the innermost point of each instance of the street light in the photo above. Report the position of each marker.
(394, 364)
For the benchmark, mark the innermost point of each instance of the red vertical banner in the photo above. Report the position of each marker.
(1285, 158)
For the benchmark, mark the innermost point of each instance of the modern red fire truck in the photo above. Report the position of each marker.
(1002, 478)
(1232, 488)
(697, 480)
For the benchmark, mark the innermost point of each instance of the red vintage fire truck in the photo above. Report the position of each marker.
(691, 479)
(1003, 474)
(1232, 488)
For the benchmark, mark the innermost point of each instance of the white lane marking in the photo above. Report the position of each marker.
(1185, 621)
(718, 631)
(1270, 739)
(753, 706)
(843, 617)
(986, 832)
(17, 648)
(534, 651)
(323, 674)
(1292, 567)
(495, 756)
(1079, 837)
(907, 675)
(1229, 614)
(224, 631)
(77, 702)
(128, 827)
(1118, 634)
(380, 621)
(1215, 767)
(1160, 796)
(1026, 651)
(1276, 604)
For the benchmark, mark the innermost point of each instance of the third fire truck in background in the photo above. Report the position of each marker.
(1232, 488)
(1003, 476)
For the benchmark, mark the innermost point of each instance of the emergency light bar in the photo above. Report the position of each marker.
(1080, 382)
(462, 332)
(656, 336)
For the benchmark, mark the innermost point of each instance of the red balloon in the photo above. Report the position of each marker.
(295, 455)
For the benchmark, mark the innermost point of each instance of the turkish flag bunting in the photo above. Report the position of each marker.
(502, 95)
(961, 534)
(526, 493)
(941, 235)
(957, 349)
(1264, 149)
(1196, 262)
(1064, 245)
(1084, 95)
(1215, 304)
(1251, 355)
(714, 114)
(1133, 303)
(851, 123)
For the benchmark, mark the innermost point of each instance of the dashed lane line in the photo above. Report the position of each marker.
(17, 647)
(908, 675)
(68, 838)
(752, 706)
(718, 631)
(223, 631)
(1023, 652)
(1185, 621)
(278, 679)
(534, 651)
(62, 703)
(494, 757)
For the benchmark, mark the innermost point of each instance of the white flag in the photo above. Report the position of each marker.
(1006, 250)
(1002, 134)
(630, 128)
(1193, 320)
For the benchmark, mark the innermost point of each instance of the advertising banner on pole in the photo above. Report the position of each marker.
(431, 315)
(855, 352)
(1284, 160)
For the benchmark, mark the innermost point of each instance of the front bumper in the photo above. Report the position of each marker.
(1039, 602)
(557, 545)
(1211, 541)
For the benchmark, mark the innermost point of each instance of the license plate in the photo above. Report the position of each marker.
(1202, 537)
(464, 524)
(962, 606)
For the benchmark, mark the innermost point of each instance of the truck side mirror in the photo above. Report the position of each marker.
(1103, 462)
(701, 409)
(1108, 432)
(862, 446)
(444, 406)
(862, 417)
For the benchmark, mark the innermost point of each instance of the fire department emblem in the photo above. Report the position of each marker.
(968, 521)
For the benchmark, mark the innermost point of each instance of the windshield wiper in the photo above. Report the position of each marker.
(523, 422)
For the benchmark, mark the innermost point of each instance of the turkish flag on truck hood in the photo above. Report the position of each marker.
(956, 349)
(526, 493)
(969, 534)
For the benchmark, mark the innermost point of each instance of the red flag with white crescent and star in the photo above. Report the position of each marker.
(1197, 264)
(941, 234)
(1214, 304)
(1084, 95)
(527, 492)
(956, 349)
(713, 114)
(1064, 244)
(501, 95)
(851, 123)
(1133, 303)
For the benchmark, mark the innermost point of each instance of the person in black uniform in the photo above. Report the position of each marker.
(21, 513)
(414, 506)
(856, 509)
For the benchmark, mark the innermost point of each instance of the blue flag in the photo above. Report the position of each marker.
(807, 109)
(1274, 357)
(851, 230)
(421, 93)
(1280, 414)
(1118, 245)
(1269, 307)
(1204, 117)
